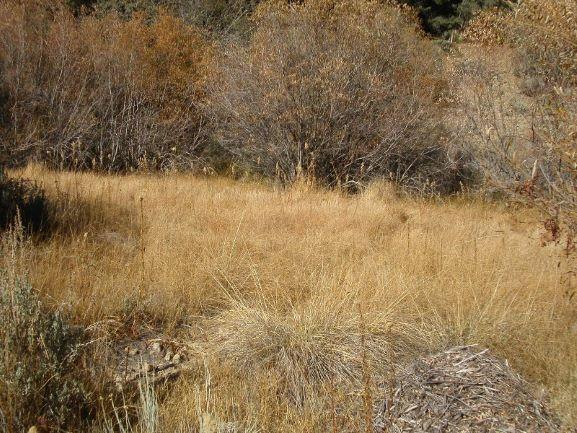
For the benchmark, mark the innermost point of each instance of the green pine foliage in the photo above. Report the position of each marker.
(441, 17)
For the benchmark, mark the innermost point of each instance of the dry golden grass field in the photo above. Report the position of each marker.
(284, 291)
(345, 216)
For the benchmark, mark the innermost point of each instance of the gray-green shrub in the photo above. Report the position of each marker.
(38, 353)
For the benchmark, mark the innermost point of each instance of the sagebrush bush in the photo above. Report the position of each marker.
(109, 94)
(340, 91)
(38, 352)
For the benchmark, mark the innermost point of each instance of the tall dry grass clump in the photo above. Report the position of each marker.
(338, 91)
(324, 340)
(265, 283)
(107, 94)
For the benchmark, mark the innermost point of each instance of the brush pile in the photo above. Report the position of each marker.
(464, 389)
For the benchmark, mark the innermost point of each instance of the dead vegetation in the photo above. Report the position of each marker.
(293, 307)
(266, 285)
(536, 95)
(313, 343)
(523, 112)
(104, 94)
(463, 389)
(544, 31)
(338, 92)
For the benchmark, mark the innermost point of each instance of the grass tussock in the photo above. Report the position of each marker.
(308, 286)
(321, 340)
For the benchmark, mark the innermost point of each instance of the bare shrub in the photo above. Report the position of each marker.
(100, 93)
(543, 31)
(545, 36)
(219, 16)
(524, 118)
(338, 91)
(537, 146)
(547, 33)
(523, 146)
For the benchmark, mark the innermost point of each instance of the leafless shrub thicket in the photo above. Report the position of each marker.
(337, 91)
(526, 123)
(99, 93)
(223, 17)
(544, 32)
(532, 138)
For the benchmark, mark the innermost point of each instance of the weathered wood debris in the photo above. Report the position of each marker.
(463, 389)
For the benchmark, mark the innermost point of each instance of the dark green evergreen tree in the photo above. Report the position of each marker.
(78, 5)
(440, 17)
